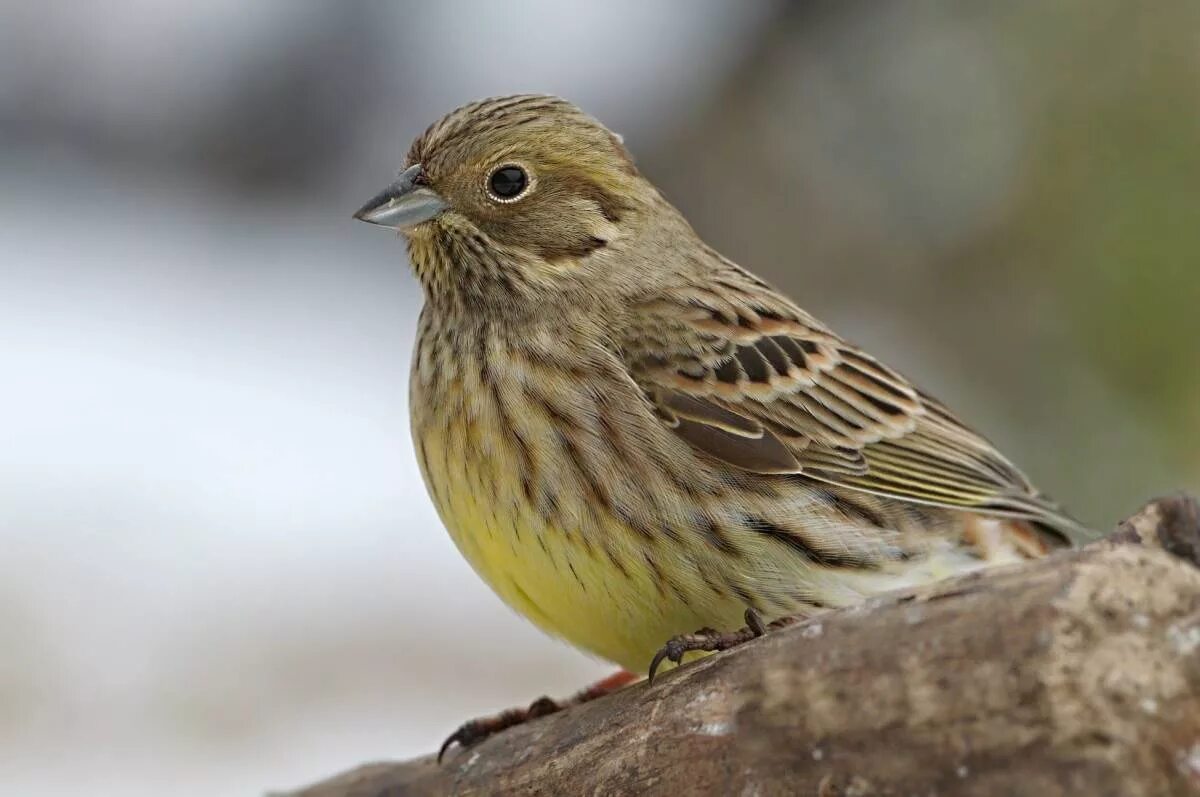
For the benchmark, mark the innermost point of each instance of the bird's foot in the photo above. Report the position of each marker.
(708, 640)
(474, 731)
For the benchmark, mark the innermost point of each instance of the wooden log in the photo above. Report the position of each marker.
(1078, 674)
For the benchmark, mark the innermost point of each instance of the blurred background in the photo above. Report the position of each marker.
(219, 572)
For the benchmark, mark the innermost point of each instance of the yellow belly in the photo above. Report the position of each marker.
(585, 513)
(592, 585)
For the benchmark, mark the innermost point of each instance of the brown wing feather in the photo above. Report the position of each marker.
(754, 381)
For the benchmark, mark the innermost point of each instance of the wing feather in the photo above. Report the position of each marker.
(757, 383)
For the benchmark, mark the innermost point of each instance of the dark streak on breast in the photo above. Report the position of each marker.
(716, 536)
(797, 543)
(853, 510)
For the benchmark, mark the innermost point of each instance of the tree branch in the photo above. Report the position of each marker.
(1076, 674)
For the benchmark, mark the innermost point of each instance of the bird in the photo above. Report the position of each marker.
(641, 446)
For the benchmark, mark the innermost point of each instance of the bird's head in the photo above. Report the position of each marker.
(517, 196)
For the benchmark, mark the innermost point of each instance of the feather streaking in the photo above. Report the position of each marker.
(630, 437)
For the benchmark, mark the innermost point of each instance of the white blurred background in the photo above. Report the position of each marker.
(219, 572)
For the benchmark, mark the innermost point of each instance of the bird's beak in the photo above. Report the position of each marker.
(404, 204)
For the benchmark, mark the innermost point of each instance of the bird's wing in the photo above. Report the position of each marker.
(744, 375)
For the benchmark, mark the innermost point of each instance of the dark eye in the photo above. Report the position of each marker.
(508, 182)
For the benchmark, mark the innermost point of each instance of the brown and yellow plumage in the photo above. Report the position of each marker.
(630, 437)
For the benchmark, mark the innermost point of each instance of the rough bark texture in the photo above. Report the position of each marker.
(1074, 675)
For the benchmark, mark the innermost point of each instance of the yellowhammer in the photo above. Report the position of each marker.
(630, 437)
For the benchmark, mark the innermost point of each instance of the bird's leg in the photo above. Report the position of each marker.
(708, 640)
(476, 730)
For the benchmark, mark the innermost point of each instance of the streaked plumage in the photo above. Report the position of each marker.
(630, 437)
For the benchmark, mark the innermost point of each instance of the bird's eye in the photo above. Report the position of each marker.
(508, 183)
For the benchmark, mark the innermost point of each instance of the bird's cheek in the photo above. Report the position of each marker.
(567, 236)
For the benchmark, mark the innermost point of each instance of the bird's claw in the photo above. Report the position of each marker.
(673, 650)
(466, 735)
(706, 639)
(474, 731)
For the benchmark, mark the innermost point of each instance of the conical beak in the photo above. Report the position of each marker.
(404, 204)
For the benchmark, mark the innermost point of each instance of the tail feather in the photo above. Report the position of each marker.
(1046, 518)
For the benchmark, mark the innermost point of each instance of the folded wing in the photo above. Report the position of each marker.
(747, 377)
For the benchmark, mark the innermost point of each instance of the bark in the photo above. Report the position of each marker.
(1078, 674)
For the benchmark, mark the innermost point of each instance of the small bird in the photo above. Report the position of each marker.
(631, 437)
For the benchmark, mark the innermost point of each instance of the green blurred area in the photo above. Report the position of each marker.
(1113, 200)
